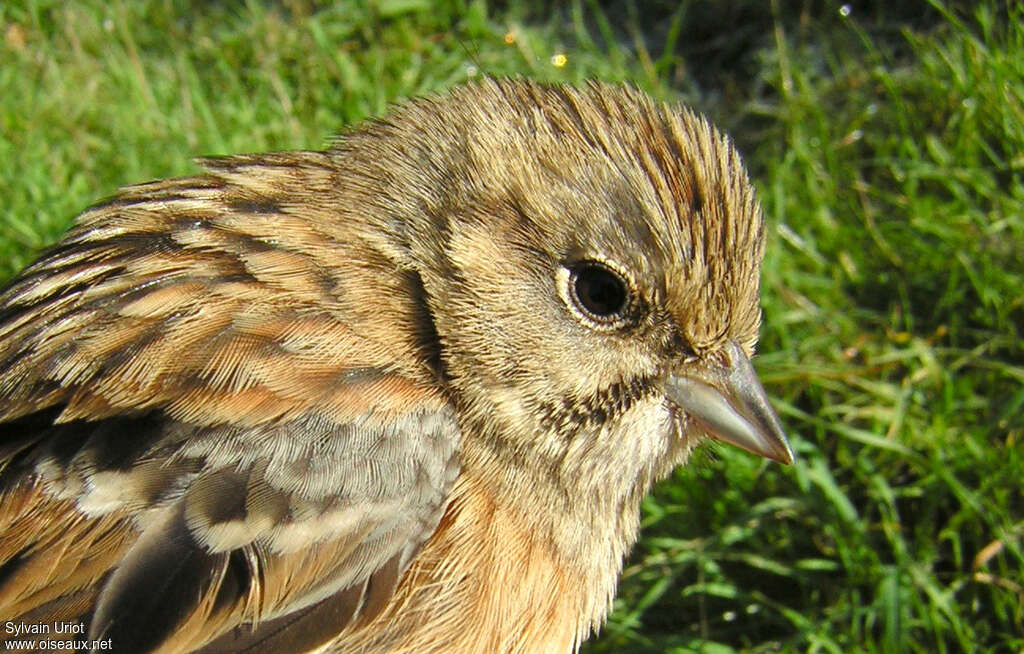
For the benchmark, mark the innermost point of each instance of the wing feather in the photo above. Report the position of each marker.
(219, 416)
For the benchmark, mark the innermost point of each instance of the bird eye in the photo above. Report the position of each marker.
(598, 291)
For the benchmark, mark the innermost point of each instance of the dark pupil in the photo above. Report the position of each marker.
(600, 291)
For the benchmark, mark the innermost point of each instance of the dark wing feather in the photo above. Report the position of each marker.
(219, 415)
(153, 589)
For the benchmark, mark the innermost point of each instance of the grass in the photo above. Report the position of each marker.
(890, 159)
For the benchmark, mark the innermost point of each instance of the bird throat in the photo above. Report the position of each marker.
(545, 536)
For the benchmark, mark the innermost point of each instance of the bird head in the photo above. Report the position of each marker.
(591, 260)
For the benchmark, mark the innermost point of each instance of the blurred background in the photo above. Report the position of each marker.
(887, 144)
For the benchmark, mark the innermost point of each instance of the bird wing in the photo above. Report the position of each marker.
(219, 415)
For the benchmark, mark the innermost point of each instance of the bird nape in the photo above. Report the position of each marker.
(402, 395)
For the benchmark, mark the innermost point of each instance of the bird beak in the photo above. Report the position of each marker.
(726, 399)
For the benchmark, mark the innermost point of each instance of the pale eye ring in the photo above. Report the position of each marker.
(598, 293)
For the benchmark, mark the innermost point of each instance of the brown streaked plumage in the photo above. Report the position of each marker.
(401, 396)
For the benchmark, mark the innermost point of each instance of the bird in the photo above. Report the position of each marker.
(401, 395)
